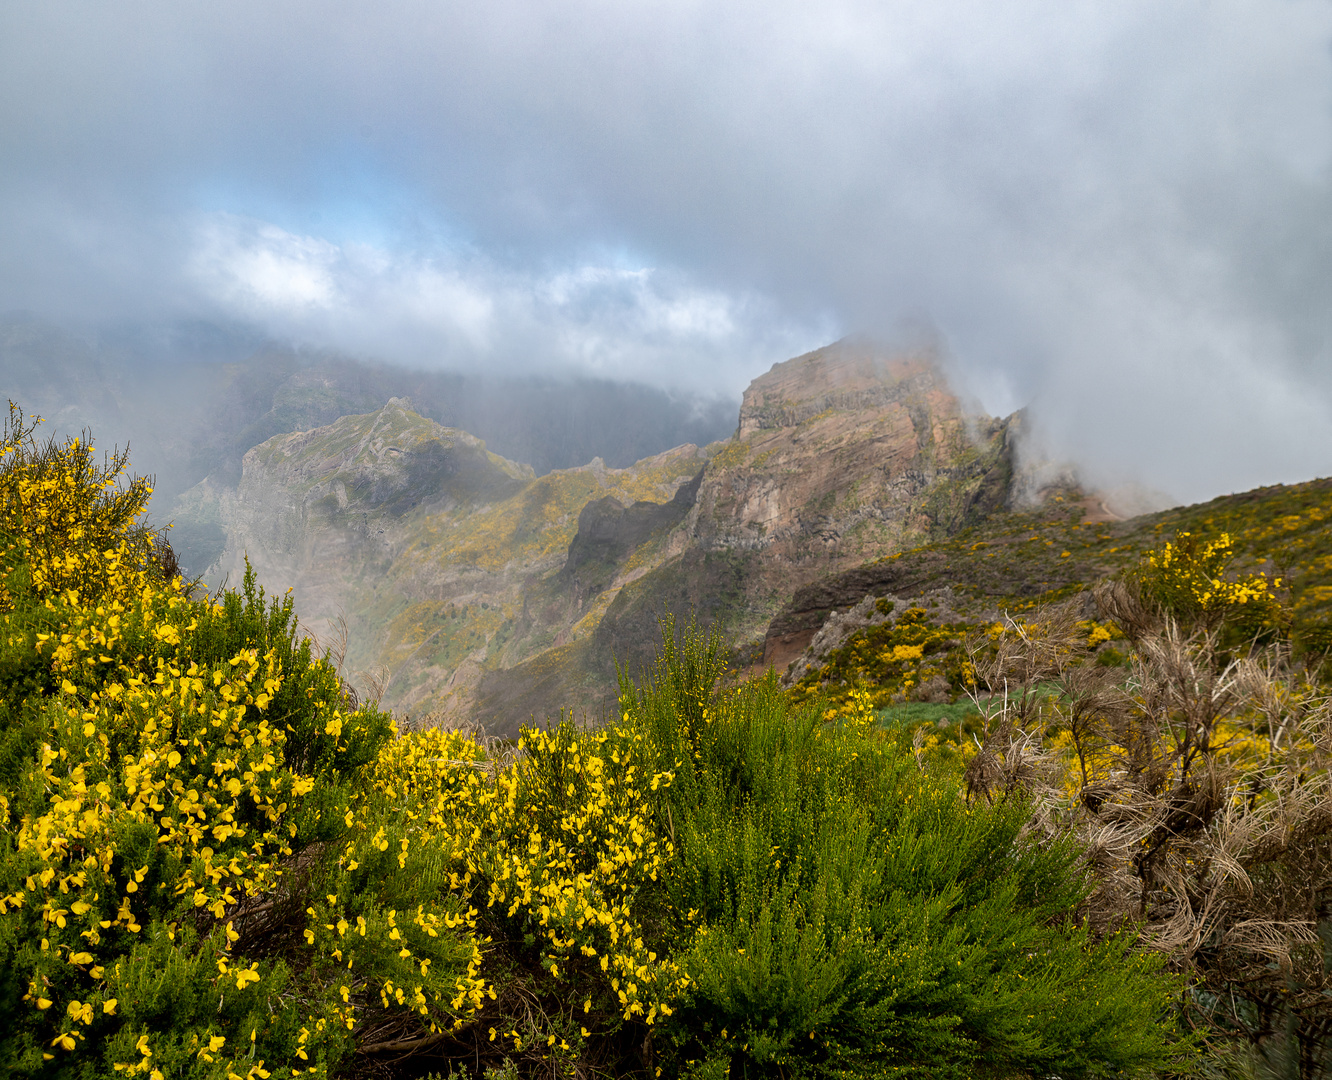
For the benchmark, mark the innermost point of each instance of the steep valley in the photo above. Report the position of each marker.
(466, 586)
(462, 586)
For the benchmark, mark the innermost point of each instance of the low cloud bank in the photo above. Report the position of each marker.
(460, 310)
(1121, 213)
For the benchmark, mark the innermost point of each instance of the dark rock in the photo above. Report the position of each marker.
(608, 533)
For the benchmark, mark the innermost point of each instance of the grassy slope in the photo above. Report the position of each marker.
(1024, 558)
(1014, 562)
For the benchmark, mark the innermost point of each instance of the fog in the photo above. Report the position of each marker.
(189, 403)
(1118, 213)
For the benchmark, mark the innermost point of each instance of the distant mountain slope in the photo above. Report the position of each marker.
(432, 549)
(489, 593)
(189, 413)
(481, 591)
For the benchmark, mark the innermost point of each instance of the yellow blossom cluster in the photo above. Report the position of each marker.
(891, 661)
(59, 537)
(199, 817)
(556, 847)
(178, 768)
(1189, 576)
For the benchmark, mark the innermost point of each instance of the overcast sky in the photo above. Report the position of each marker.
(1120, 212)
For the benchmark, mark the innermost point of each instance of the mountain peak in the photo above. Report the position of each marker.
(390, 457)
(850, 374)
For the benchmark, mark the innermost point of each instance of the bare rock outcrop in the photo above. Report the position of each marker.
(941, 606)
(841, 456)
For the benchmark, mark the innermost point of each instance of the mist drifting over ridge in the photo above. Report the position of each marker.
(189, 401)
(1121, 214)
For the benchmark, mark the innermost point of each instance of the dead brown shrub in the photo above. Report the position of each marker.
(1198, 781)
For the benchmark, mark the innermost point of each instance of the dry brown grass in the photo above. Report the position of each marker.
(1198, 781)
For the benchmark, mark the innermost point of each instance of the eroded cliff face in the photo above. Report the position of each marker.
(480, 591)
(843, 451)
(421, 549)
(841, 456)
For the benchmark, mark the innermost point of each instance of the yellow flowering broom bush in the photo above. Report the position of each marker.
(1190, 579)
(557, 869)
(175, 776)
(211, 866)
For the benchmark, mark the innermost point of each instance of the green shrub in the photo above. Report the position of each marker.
(1190, 580)
(840, 911)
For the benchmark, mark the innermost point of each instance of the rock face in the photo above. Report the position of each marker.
(608, 533)
(483, 592)
(425, 553)
(841, 456)
(844, 449)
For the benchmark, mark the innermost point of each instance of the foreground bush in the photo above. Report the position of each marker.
(211, 865)
(177, 775)
(839, 911)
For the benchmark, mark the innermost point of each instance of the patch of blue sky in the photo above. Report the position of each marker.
(345, 195)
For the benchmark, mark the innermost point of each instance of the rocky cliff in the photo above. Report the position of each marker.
(476, 589)
(840, 457)
(424, 550)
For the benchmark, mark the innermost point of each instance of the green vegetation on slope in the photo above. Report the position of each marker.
(1018, 562)
(860, 917)
(212, 866)
(1162, 718)
(1029, 557)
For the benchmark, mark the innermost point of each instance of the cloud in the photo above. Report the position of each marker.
(458, 309)
(269, 271)
(1120, 211)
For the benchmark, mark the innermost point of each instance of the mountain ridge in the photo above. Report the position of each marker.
(190, 401)
(516, 595)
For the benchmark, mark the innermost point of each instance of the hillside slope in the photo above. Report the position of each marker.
(1016, 560)
(472, 587)
(840, 456)
(467, 586)
(416, 544)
